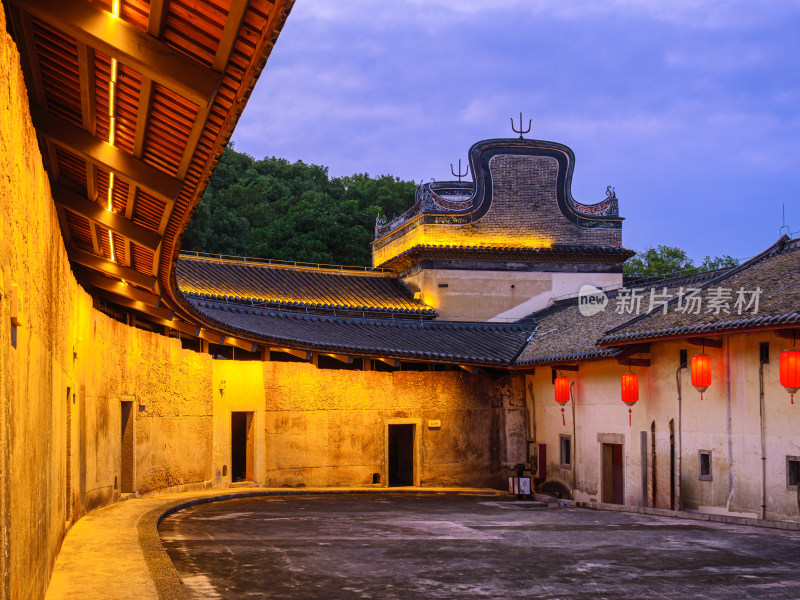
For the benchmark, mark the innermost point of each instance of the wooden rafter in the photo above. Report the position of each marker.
(111, 268)
(158, 18)
(136, 49)
(131, 292)
(164, 314)
(241, 344)
(301, 354)
(88, 87)
(104, 155)
(229, 34)
(97, 214)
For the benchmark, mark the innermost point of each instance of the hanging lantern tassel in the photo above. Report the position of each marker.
(630, 393)
(790, 371)
(562, 395)
(701, 373)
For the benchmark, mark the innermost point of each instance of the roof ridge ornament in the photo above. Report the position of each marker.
(459, 174)
(520, 131)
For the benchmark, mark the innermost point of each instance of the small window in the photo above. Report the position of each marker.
(705, 465)
(792, 472)
(565, 443)
(443, 285)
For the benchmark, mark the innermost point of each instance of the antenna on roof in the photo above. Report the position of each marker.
(784, 226)
(459, 174)
(520, 131)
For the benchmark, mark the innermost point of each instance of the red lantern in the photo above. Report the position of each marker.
(562, 394)
(630, 392)
(790, 371)
(701, 373)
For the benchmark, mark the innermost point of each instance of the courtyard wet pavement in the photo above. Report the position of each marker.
(414, 546)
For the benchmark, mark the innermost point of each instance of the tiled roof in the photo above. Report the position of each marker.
(298, 287)
(776, 272)
(469, 343)
(563, 334)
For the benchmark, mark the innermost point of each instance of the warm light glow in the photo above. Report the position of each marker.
(112, 126)
(630, 392)
(701, 373)
(561, 385)
(458, 236)
(790, 371)
(110, 191)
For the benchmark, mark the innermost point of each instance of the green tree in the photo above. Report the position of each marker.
(272, 208)
(669, 260)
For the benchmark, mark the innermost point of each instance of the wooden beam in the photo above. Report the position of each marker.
(301, 354)
(94, 279)
(229, 34)
(223, 55)
(566, 367)
(634, 362)
(788, 334)
(158, 18)
(109, 268)
(96, 247)
(88, 87)
(634, 349)
(241, 344)
(142, 115)
(392, 362)
(210, 336)
(96, 213)
(469, 369)
(710, 342)
(134, 48)
(161, 313)
(83, 143)
(343, 358)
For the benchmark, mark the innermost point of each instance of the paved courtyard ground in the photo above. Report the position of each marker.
(410, 546)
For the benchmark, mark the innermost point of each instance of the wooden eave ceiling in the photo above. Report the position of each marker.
(184, 71)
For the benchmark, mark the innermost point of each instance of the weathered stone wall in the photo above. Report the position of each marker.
(319, 427)
(726, 423)
(63, 383)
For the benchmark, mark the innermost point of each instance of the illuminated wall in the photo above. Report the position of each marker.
(725, 423)
(66, 370)
(327, 427)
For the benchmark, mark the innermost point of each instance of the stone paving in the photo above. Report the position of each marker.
(410, 546)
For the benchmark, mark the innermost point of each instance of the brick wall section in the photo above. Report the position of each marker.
(524, 199)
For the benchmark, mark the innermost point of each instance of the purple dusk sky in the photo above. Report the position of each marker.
(690, 108)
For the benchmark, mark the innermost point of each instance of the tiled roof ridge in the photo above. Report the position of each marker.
(268, 263)
(241, 302)
(383, 322)
(783, 244)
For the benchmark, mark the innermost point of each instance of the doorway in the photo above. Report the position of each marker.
(242, 446)
(126, 447)
(401, 455)
(613, 486)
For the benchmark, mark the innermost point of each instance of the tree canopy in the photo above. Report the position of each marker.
(272, 208)
(669, 260)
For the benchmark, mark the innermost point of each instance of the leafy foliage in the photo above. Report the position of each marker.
(669, 260)
(272, 208)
